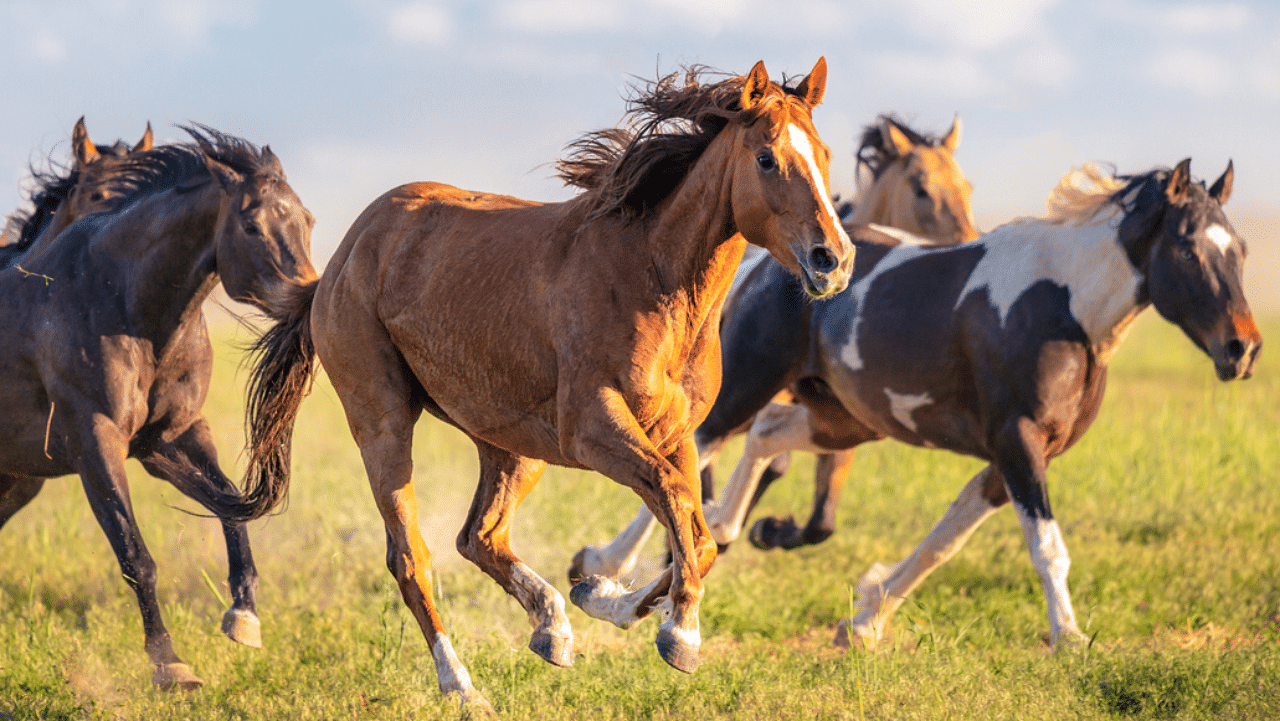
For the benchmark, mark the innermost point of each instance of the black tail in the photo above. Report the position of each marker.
(283, 367)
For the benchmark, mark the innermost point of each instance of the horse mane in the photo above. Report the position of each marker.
(875, 152)
(669, 123)
(1085, 191)
(51, 188)
(174, 165)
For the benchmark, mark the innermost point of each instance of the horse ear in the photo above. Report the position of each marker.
(1221, 189)
(222, 174)
(271, 157)
(895, 138)
(83, 148)
(754, 88)
(147, 141)
(814, 86)
(1179, 181)
(952, 141)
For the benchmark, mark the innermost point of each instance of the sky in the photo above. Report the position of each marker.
(356, 97)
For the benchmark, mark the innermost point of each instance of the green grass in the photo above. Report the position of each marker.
(1170, 507)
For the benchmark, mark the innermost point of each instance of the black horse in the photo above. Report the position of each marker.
(104, 352)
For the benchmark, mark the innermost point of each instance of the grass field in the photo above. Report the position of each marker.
(1170, 507)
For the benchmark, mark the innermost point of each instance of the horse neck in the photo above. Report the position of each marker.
(1088, 259)
(693, 245)
(165, 244)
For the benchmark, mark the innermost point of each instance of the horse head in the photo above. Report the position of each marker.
(1195, 265)
(780, 180)
(917, 185)
(98, 167)
(263, 239)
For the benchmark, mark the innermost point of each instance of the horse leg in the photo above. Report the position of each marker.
(190, 463)
(830, 475)
(16, 492)
(617, 557)
(778, 428)
(670, 488)
(1021, 458)
(883, 589)
(505, 480)
(102, 474)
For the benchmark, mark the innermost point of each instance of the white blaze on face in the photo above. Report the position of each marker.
(800, 141)
(1220, 237)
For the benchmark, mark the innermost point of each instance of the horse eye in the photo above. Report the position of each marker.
(251, 228)
(1186, 253)
(766, 160)
(96, 197)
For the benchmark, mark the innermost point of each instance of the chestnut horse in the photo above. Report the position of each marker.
(581, 333)
(59, 199)
(996, 349)
(917, 187)
(107, 356)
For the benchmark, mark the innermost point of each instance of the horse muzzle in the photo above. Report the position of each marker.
(824, 273)
(1235, 356)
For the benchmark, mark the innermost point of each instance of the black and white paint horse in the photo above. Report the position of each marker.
(996, 349)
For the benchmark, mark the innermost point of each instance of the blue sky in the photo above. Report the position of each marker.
(357, 97)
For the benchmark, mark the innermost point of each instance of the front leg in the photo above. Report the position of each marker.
(616, 446)
(190, 463)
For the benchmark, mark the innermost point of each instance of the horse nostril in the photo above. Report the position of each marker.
(823, 260)
(1234, 350)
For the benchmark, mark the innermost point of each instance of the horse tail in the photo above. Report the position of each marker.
(283, 368)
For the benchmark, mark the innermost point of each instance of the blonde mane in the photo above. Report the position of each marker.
(1081, 195)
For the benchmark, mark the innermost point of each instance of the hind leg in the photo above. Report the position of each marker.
(190, 463)
(16, 492)
(505, 480)
(829, 476)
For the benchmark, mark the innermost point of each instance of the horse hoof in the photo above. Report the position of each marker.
(577, 570)
(681, 655)
(849, 636)
(555, 650)
(175, 677)
(243, 627)
(590, 587)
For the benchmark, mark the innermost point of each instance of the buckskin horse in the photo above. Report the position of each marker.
(996, 349)
(581, 333)
(106, 355)
(917, 194)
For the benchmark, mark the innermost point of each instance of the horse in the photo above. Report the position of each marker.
(59, 198)
(587, 338)
(996, 349)
(917, 194)
(107, 355)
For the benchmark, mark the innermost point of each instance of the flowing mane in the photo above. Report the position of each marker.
(669, 123)
(51, 189)
(168, 166)
(1084, 192)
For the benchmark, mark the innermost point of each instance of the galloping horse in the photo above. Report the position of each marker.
(917, 187)
(581, 333)
(59, 199)
(106, 355)
(996, 349)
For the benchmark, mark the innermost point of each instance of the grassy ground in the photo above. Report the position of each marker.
(1169, 506)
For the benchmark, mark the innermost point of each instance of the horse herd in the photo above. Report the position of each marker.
(617, 331)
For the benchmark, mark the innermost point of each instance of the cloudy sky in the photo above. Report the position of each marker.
(357, 96)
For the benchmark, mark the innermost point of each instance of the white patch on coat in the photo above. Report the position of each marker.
(1220, 236)
(800, 141)
(901, 235)
(1087, 259)
(849, 354)
(903, 405)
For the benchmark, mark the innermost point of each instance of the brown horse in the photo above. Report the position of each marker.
(59, 199)
(917, 187)
(107, 357)
(582, 334)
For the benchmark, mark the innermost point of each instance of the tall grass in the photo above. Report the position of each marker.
(1169, 506)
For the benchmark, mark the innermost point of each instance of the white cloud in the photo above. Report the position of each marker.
(975, 25)
(420, 23)
(560, 16)
(1196, 71)
(49, 47)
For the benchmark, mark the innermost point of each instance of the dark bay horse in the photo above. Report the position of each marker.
(996, 349)
(581, 333)
(105, 353)
(918, 194)
(60, 198)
